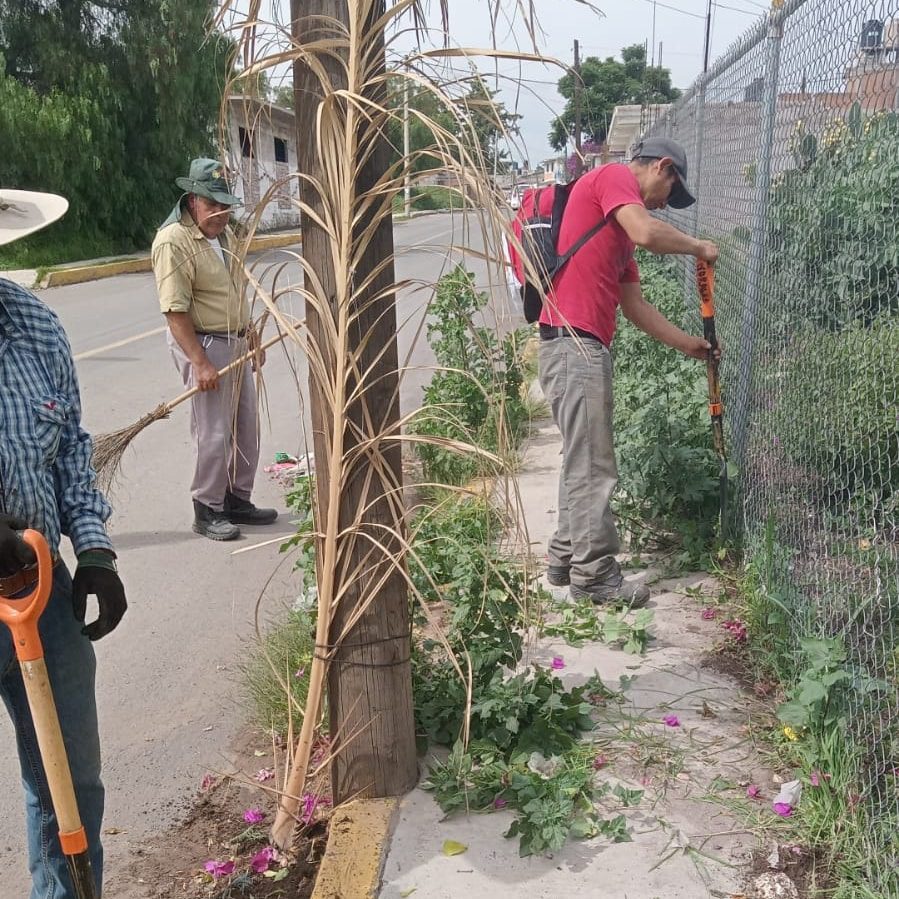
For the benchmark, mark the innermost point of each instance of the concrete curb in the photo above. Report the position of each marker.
(78, 274)
(358, 838)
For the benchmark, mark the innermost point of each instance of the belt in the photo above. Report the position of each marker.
(551, 332)
(224, 335)
(16, 583)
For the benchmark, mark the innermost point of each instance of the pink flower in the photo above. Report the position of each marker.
(753, 792)
(816, 777)
(254, 816)
(264, 774)
(299, 672)
(208, 782)
(736, 629)
(558, 663)
(310, 804)
(709, 613)
(671, 720)
(599, 762)
(262, 859)
(219, 869)
(499, 802)
(784, 809)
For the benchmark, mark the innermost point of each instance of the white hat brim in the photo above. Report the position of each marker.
(22, 212)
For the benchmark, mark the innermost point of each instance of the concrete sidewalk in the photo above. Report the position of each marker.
(684, 844)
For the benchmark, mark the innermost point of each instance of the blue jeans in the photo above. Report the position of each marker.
(71, 664)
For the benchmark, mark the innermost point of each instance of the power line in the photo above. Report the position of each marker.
(746, 12)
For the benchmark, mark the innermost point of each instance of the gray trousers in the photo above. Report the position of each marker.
(224, 423)
(576, 377)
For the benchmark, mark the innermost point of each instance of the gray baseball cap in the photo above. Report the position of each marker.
(665, 147)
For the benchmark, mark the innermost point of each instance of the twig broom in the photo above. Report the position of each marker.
(110, 448)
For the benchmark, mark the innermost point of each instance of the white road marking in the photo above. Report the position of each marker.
(119, 343)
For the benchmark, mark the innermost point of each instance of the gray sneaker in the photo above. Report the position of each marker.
(629, 594)
(558, 575)
(213, 524)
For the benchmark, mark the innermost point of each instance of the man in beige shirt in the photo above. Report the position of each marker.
(209, 326)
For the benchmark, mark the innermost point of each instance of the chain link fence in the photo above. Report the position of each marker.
(793, 139)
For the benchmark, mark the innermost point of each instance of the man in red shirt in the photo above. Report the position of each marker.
(576, 330)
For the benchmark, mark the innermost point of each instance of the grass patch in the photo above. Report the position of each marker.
(47, 249)
(428, 198)
(276, 672)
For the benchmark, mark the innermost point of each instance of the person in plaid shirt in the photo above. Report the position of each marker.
(46, 483)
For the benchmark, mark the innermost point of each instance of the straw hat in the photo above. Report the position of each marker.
(23, 212)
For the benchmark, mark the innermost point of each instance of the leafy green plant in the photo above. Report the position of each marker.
(666, 464)
(476, 398)
(582, 622)
(850, 448)
(842, 194)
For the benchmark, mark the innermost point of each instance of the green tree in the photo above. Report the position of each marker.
(608, 83)
(489, 120)
(106, 102)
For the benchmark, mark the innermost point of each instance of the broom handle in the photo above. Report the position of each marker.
(240, 360)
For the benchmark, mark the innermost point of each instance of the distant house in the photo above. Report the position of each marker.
(262, 154)
(628, 123)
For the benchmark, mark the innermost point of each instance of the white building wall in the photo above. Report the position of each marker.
(256, 174)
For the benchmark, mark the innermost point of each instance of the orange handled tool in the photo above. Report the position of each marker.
(21, 616)
(705, 281)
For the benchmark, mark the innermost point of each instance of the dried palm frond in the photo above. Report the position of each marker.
(347, 187)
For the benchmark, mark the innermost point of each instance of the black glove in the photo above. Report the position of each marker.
(15, 553)
(96, 575)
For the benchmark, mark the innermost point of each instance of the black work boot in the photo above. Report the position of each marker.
(213, 524)
(242, 511)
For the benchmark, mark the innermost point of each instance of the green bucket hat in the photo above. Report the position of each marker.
(207, 179)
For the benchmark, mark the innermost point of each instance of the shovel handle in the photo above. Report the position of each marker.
(21, 615)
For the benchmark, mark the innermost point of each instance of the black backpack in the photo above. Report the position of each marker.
(538, 236)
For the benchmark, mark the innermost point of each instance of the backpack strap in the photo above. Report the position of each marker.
(578, 244)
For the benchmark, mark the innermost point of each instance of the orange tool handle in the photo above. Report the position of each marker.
(705, 281)
(21, 616)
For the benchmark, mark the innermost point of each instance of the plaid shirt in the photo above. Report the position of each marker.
(45, 456)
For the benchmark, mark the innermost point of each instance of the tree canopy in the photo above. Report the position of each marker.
(608, 83)
(106, 102)
(489, 118)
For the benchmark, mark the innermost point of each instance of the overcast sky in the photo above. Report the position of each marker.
(529, 88)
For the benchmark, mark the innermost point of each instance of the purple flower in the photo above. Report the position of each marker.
(671, 720)
(709, 613)
(264, 774)
(599, 762)
(784, 809)
(499, 802)
(208, 782)
(254, 816)
(310, 804)
(558, 663)
(219, 869)
(753, 792)
(262, 859)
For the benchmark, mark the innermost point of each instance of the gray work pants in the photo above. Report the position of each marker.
(576, 377)
(223, 423)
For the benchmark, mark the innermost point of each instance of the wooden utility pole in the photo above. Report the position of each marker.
(578, 86)
(369, 678)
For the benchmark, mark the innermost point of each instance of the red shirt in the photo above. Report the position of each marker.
(586, 292)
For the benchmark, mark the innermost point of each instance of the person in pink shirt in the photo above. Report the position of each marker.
(577, 326)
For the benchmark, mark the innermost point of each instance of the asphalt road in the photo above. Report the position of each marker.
(169, 689)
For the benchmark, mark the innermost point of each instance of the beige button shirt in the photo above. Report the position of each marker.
(190, 277)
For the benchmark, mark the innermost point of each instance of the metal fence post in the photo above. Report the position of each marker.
(756, 266)
(689, 267)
